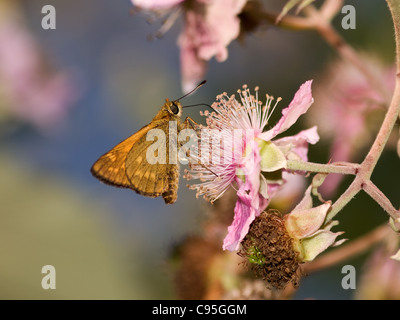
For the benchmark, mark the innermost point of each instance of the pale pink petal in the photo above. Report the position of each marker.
(245, 213)
(305, 222)
(222, 25)
(193, 68)
(273, 189)
(208, 31)
(299, 105)
(250, 202)
(306, 202)
(252, 164)
(155, 4)
(298, 144)
(244, 216)
(396, 256)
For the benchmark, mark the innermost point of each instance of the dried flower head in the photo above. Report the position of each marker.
(270, 251)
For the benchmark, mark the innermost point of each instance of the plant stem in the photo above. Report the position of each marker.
(394, 108)
(297, 165)
(344, 199)
(288, 22)
(373, 191)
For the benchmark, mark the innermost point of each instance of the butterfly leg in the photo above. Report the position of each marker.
(190, 123)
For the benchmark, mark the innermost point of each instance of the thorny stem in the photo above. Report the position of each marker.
(343, 200)
(375, 193)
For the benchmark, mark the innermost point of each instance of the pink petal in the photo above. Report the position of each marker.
(299, 142)
(245, 213)
(299, 105)
(155, 4)
(222, 25)
(252, 165)
(193, 68)
(306, 202)
(33, 93)
(209, 28)
(244, 216)
(250, 202)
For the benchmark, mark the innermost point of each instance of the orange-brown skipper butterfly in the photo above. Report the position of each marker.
(127, 166)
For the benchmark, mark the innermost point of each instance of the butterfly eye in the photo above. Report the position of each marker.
(174, 108)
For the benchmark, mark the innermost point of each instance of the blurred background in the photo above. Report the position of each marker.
(68, 95)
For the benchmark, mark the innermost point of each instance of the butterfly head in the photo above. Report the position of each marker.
(174, 108)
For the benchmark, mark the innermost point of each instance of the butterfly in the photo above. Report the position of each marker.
(127, 166)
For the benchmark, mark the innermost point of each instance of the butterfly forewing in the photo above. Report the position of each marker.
(110, 167)
(127, 166)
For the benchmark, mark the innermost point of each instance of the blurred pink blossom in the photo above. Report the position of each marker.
(30, 90)
(210, 26)
(380, 279)
(347, 110)
(155, 4)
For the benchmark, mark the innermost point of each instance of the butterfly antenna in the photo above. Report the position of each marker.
(190, 92)
(199, 104)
